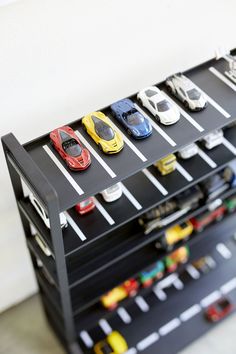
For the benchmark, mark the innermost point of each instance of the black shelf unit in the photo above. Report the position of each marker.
(100, 250)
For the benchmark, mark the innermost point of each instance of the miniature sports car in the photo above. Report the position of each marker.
(187, 92)
(100, 128)
(213, 139)
(166, 165)
(201, 221)
(188, 151)
(148, 276)
(162, 109)
(175, 234)
(114, 296)
(68, 145)
(85, 206)
(219, 310)
(113, 344)
(112, 193)
(134, 122)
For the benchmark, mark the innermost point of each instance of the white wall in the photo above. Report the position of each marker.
(60, 59)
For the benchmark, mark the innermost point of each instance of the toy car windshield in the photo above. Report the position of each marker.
(72, 148)
(163, 106)
(103, 130)
(134, 118)
(106, 349)
(194, 94)
(150, 93)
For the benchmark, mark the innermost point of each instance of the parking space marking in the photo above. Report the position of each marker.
(223, 250)
(86, 339)
(160, 294)
(124, 315)
(178, 284)
(229, 286)
(146, 342)
(229, 146)
(190, 312)
(183, 172)
(222, 78)
(75, 227)
(169, 327)
(209, 299)
(184, 113)
(141, 303)
(105, 326)
(96, 155)
(103, 211)
(130, 196)
(156, 127)
(192, 271)
(63, 170)
(131, 351)
(206, 158)
(167, 282)
(155, 182)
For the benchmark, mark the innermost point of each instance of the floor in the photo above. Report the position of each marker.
(24, 330)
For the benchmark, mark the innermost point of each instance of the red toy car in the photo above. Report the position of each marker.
(85, 206)
(68, 145)
(201, 221)
(219, 310)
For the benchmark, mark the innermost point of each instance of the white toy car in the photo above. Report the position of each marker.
(187, 92)
(43, 213)
(213, 139)
(154, 100)
(188, 151)
(112, 193)
(231, 73)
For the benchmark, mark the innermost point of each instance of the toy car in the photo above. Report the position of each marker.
(219, 310)
(188, 151)
(134, 122)
(186, 91)
(230, 204)
(100, 128)
(112, 193)
(114, 296)
(113, 344)
(214, 214)
(190, 198)
(213, 186)
(167, 164)
(152, 273)
(231, 73)
(172, 261)
(43, 214)
(162, 109)
(213, 139)
(85, 206)
(204, 264)
(68, 145)
(175, 234)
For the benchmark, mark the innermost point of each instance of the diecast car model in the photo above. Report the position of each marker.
(187, 92)
(112, 193)
(113, 344)
(219, 310)
(152, 273)
(161, 108)
(85, 206)
(68, 145)
(201, 221)
(214, 186)
(213, 139)
(231, 73)
(177, 257)
(167, 164)
(99, 127)
(43, 214)
(134, 122)
(175, 234)
(188, 151)
(204, 264)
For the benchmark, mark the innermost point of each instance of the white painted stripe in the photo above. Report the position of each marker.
(131, 351)
(169, 327)
(229, 286)
(96, 155)
(222, 78)
(178, 284)
(63, 170)
(206, 158)
(86, 339)
(185, 114)
(155, 182)
(227, 58)
(131, 198)
(103, 211)
(75, 227)
(166, 282)
(156, 127)
(193, 272)
(105, 326)
(146, 342)
(209, 299)
(141, 303)
(229, 146)
(189, 313)
(160, 294)
(223, 250)
(124, 315)
(183, 172)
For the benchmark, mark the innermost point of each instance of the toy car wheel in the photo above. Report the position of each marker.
(129, 132)
(157, 118)
(219, 217)
(200, 229)
(84, 127)
(100, 147)
(169, 88)
(186, 105)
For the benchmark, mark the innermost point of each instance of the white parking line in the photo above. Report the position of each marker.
(156, 127)
(141, 303)
(160, 294)
(96, 155)
(146, 342)
(75, 227)
(209, 299)
(189, 313)
(130, 196)
(167, 282)
(155, 182)
(105, 326)
(124, 315)
(193, 272)
(222, 78)
(169, 327)
(206, 158)
(63, 170)
(183, 172)
(223, 250)
(103, 211)
(229, 286)
(131, 351)
(178, 284)
(86, 339)
(185, 114)
(229, 146)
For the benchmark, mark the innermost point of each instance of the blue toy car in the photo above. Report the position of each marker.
(134, 122)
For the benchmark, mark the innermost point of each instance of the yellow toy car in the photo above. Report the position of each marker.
(167, 164)
(113, 344)
(111, 299)
(175, 234)
(99, 127)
